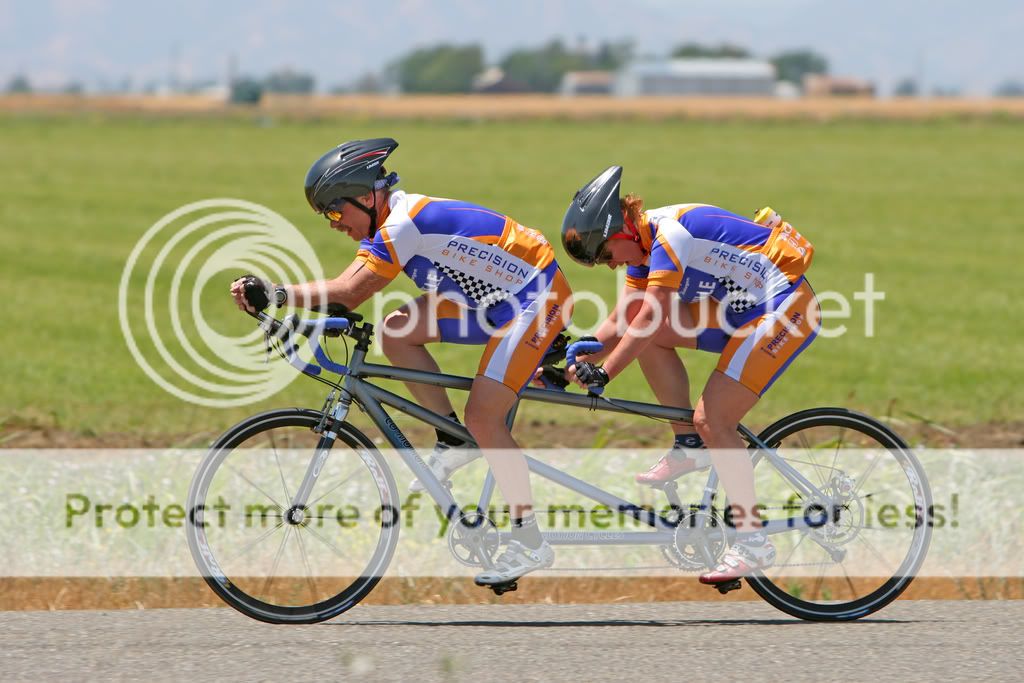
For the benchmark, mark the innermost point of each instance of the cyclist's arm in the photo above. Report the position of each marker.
(610, 332)
(354, 286)
(642, 327)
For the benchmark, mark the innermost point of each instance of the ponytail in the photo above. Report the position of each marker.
(632, 206)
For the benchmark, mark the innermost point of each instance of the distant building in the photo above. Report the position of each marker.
(818, 85)
(587, 83)
(493, 80)
(714, 77)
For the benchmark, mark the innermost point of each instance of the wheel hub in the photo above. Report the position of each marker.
(295, 515)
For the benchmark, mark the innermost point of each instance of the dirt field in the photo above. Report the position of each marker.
(155, 593)
(505, 107)
(534, 434)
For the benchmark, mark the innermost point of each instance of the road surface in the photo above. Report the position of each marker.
(686, 641)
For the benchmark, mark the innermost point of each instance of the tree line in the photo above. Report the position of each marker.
(449, 68)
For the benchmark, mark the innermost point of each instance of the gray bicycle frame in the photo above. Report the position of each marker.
(372, 400)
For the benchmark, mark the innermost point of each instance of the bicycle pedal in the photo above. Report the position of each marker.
(502, 588)
(727, 586)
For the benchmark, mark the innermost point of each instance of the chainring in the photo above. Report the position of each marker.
(473, 540)
(696, 533)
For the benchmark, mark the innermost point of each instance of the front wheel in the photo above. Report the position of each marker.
(875, 537)
(279, 564)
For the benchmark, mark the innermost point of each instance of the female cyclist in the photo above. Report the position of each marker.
(698, 277)
(489, 281)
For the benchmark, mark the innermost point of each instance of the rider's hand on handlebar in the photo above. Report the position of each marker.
(251, 294)
(570, 374)
(589, 375)
(538, 382)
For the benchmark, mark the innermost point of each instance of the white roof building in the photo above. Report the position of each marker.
(587, 83)
(715, 77)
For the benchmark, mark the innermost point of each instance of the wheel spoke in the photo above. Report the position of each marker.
(817, 584)
(310, 581)
(330, 545)
(880, 492)
(790, 459)
(874, 551)
(835, 457)
(252, 544)
(810, 454)
(331, 490)
(277, 561)
(284, 486)
(849, 581)
(793, 550)
(252, 484)
(817, 469)
(867, 473)
(803, 441)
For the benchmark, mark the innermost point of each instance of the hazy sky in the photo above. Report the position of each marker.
(971, 45)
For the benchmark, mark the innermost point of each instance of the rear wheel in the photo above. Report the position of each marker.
(877, 534)
(282, 565)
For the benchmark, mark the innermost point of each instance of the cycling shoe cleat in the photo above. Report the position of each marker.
(727, 586)
(502, 588)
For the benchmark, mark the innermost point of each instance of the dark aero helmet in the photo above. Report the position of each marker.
(350, 170)
(593, 216)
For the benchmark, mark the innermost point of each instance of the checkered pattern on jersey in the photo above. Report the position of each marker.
(483, 293)
(737, 297)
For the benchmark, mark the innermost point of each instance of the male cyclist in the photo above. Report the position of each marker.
(698, 277)
(489, 281)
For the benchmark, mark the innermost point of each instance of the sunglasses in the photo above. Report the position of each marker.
(335, 210)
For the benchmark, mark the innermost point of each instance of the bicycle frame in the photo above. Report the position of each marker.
(372, 400)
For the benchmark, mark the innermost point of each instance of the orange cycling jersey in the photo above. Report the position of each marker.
(467, 252)
(704, 251)
(497, 281)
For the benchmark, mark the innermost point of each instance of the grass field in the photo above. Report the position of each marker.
(932, 209)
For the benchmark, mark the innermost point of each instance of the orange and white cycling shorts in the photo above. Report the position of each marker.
(757, 346)
(517, 333)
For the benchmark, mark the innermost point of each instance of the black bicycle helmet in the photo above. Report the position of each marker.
(593, 216)
(350, 170)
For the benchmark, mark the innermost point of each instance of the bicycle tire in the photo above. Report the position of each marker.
(250, 605)
(891, 589)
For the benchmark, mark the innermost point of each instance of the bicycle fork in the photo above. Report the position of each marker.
(296, 513)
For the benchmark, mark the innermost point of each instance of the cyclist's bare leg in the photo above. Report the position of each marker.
(722, 405)
(488, 405)
(403, 336)
(663, 368)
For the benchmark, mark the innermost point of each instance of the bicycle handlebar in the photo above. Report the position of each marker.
(290, 325)
(583, 347)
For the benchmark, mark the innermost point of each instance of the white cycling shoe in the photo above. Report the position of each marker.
(740, 560)
(516, 561)
(444, 461)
